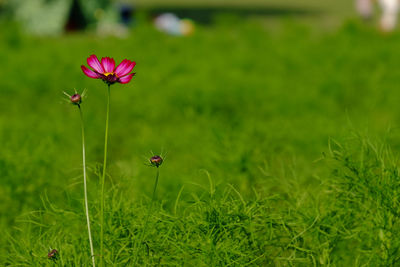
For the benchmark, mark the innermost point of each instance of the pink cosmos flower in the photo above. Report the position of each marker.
(107, 71)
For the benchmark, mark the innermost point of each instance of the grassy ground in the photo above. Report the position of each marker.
(281, 147)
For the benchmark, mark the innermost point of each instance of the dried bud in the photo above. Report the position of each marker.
(52, 254)
(76, 99)
(156, 161)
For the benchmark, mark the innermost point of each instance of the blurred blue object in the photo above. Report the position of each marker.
(126, 13)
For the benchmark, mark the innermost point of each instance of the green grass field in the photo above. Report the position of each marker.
(281, 147)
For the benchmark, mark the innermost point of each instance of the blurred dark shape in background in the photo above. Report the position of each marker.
(126, 13)
(76, 19)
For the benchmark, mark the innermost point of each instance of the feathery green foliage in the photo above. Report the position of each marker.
(245, 116)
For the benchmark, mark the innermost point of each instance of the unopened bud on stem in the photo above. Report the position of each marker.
(156, 161)
(76, 99)
(52, 255)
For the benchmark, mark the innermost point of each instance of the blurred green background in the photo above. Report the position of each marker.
(252, 97)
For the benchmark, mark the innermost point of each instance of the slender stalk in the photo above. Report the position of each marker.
(85, 187)
(149, 212)
(154, 195)
(102, 182)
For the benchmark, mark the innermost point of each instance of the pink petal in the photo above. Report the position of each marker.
(126, 79)
(90, 73)
(95, 64)
(124, 67)
(108, 64)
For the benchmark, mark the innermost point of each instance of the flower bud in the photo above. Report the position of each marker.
(76, 99)
(52, 254)
(156, 161)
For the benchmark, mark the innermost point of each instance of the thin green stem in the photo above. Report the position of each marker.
(85, 187)
(154, 193)
(149, 212)
(102, 182)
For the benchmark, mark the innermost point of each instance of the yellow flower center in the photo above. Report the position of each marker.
(108, 73)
